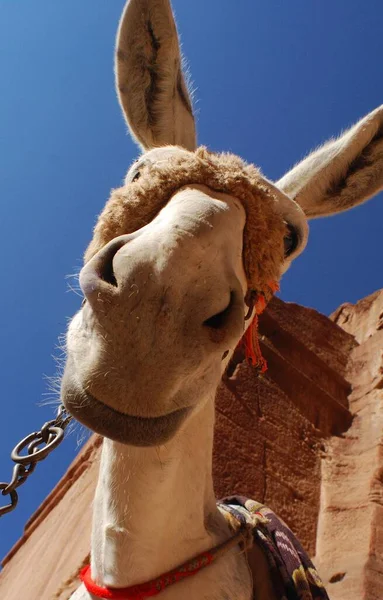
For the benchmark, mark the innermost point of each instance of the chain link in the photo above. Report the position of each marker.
(38, 445)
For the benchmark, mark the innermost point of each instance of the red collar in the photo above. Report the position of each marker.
(155, 586)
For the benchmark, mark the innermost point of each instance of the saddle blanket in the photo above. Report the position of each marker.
(293, 575)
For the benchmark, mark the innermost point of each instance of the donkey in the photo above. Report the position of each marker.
(184, 256)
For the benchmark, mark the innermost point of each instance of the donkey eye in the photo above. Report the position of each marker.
(291, 240)
(136, 176)
(135, 171)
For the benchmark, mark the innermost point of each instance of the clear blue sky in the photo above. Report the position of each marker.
(274, 78)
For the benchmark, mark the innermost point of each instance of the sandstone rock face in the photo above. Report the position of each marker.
(305, 439)
(350, 540)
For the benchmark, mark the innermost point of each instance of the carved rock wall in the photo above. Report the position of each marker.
(288, 439)
(270, 430)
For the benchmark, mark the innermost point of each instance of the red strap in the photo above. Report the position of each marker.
(139, 592)
(149, 589)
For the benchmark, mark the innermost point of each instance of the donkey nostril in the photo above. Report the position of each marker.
(103, 264)
(97, 277)
(219, 320)
(107, 273)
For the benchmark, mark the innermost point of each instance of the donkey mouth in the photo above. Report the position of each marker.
(120, 427)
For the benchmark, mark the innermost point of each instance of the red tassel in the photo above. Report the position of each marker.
(250, 339)
(253, 351)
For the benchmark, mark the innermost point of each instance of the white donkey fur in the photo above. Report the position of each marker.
(155, 506)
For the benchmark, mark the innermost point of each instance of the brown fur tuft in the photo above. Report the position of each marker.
(136, 204)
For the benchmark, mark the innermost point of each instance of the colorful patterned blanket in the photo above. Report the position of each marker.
(293, 575)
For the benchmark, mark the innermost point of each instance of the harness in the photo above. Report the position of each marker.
(293, 575)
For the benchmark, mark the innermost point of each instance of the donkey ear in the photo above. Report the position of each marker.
(149, 80)
(342, 173)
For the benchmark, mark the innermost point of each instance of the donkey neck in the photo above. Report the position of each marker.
(155, 507)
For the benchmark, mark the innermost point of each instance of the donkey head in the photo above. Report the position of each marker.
(182, 247)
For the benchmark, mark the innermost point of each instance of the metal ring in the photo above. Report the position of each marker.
(37, 455)
(19, 476)
(14, 499)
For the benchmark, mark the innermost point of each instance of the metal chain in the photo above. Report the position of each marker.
(38, 445)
